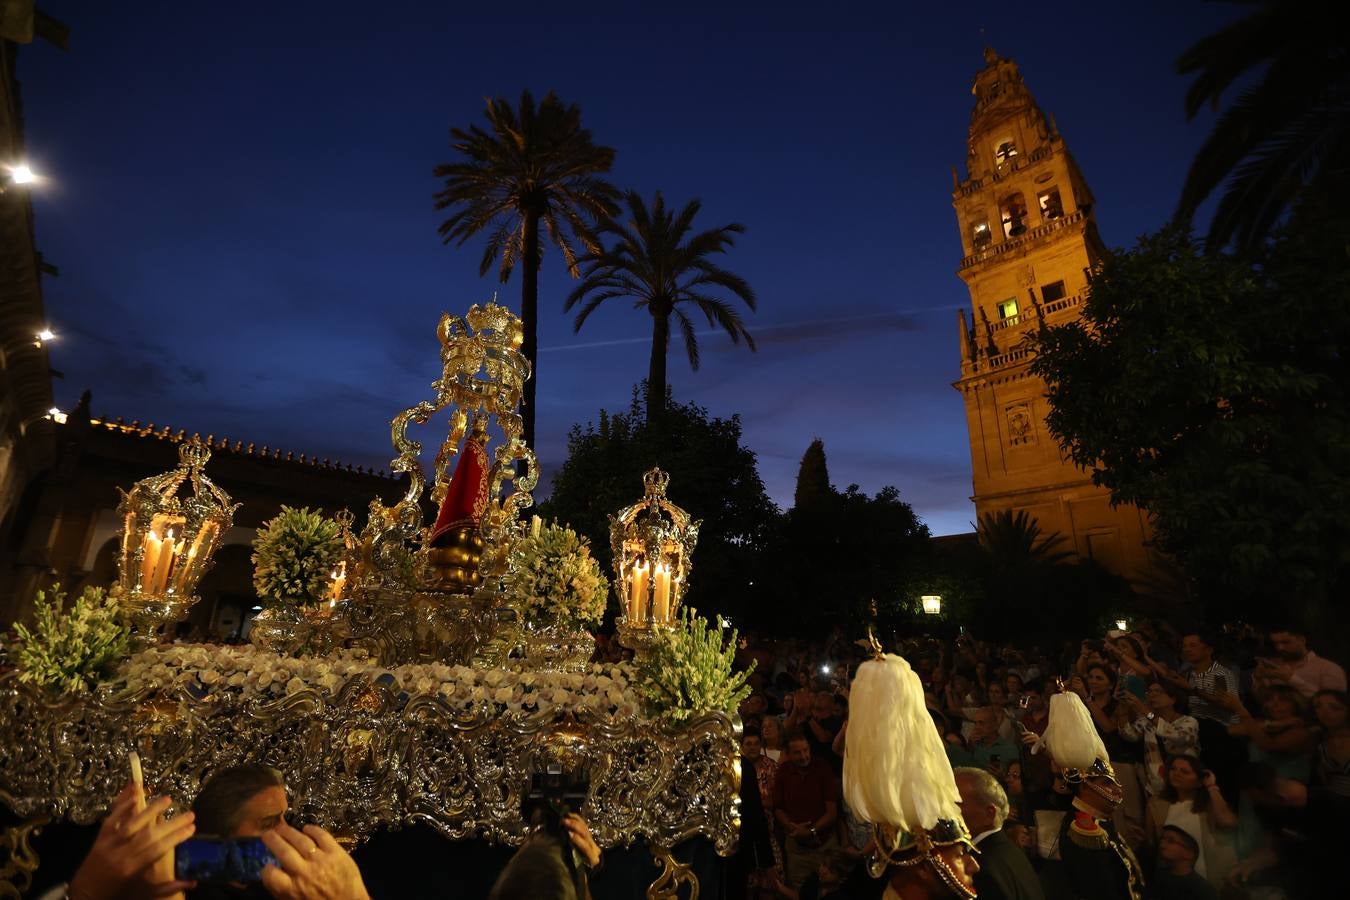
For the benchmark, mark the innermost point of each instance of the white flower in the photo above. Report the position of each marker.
(502, 695)
(294, 685)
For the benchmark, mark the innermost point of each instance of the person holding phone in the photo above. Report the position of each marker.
(1211, 684)
(132, 840)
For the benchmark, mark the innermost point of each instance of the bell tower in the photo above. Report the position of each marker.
(1029, 242)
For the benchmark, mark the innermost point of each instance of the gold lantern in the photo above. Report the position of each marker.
(932, 604)
(653, 544)
(168, 541)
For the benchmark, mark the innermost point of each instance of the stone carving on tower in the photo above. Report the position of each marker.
(1029, 245)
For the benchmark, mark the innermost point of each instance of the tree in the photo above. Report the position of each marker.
(836, 555)
(1012, 540)
(813, 477)
(657, 264)
(1212, 392)
(530, 166)
(712, 475)
(1288, 134)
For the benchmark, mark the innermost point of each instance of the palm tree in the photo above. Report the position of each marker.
(531, 165)
(1289, 133)
(1015, 540)
(657, 264)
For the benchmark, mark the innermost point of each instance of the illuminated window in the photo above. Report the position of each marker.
(1004, 151)
(980, 234)
(1051, 208)
(1052, 292)
(1007, 309)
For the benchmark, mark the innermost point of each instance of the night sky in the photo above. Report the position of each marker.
(240, 204)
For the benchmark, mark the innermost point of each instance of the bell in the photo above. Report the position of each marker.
(1016, 224)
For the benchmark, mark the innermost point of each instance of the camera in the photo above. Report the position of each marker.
(553, 795)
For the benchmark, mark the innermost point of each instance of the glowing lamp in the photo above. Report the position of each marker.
(932, 604)
(653, 543)
(171, 526)
(45, 334)
(21, 174)
(1122, 625)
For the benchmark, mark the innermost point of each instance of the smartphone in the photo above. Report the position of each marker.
(1220, 684)
(1023, 701)
(205, 859)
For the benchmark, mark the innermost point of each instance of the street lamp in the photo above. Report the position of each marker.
(1122, 625)
(932, 604)
(39, 338)
(17, 174)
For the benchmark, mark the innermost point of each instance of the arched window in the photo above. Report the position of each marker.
(1005, 150)
(1014, 212)
(1051, 207)
(980, 234)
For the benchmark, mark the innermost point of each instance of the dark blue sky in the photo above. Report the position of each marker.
(240, 205)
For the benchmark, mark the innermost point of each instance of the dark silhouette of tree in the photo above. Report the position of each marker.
(1213, 391)
(532, 165)
(655, 262)
(1015, 540)
(1286, 135)
(813, 477)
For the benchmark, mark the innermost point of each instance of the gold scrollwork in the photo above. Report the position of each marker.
(18, 860)
(673, 874)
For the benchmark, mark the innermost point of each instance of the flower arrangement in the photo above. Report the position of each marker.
(294, 556)
(551, 577)
(688, 670)
(252, 674)
(68, 652)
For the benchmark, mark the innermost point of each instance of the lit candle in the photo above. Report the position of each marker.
(661, 603)
(535, 524)
(149, 557)
(637, 599)
(339, 579)
(181, 569)
(165, 563)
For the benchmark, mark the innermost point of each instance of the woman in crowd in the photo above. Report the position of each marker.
(771, 736)
(1163, 729)
(1190, 799)
(1331, 774)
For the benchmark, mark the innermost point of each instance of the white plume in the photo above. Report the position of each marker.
(1070, 736)
(895, 767)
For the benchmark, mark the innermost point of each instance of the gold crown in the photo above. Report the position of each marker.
(193, 454)
(656, 482)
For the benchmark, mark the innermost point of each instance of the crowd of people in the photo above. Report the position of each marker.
(1232, 751)
(1231, 754)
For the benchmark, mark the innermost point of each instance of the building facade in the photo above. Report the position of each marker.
(1030, 243)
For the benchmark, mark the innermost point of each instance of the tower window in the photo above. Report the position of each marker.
(1014, 210)
(980, 234)
(1051, 208)
(1004, 151)
(1052, 291)
(1007, 309)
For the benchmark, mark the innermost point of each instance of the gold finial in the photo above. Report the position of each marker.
(877, 651)
(193, 454)
(656, 482)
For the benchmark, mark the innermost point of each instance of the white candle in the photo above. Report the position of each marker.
(149, 558)
(165, 563)
(661, 603)
(339, 579)
(637, 597)
(535, 524)
(181, 569)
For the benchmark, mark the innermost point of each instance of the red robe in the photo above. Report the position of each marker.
(467, 497)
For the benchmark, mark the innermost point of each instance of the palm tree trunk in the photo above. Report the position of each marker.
(529, 317)
(656, 371)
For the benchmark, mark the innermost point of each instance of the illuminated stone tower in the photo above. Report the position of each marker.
(1030, 242)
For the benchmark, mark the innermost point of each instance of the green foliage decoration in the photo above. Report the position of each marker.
(688, 670)
(69, 652)
(551, 577)
(294, 555)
